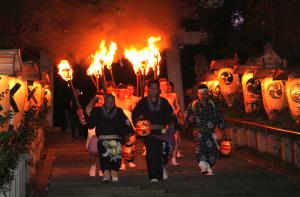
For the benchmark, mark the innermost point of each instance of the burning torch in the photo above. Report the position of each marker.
(101, 59)
(138, 83)
(134, 57)
(66, 73)
(109, 59)
(144, 69)
(143, 60)
(94, 72)
(154, 55)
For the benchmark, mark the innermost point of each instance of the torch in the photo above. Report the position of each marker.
(66, 73)
(95, 82)
(138, 74)
(138, 81)
(154, 55)
(101, 59)
(155, 72)
(103, 78)
(109, 59)
(94, 75)
(156, 66)
(95, 71)
(144, 68)
(143, 60)
(135, 58)
(112, 76)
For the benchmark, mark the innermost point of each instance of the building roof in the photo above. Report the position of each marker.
(10, 61)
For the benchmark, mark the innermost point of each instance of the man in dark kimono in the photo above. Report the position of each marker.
(159, 112)
(112, 129)
(203, 118)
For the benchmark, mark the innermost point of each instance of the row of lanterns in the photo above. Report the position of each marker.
(265, 91)
(18, 92)
(18, 95)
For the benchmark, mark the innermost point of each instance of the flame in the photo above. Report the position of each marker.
(154, 55)
(64, 70)
(110, 55)
(97, 60)
(145, 59)
(134, 57)
(102, 58)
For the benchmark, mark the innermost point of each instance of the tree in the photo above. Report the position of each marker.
(264, 21)
(29, 24)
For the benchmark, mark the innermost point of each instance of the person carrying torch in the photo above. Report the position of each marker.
(65, 71)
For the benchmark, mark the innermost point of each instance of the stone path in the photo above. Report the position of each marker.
(234, 177)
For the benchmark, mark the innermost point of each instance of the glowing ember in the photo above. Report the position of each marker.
(102, 58)
(148, 57)
(65, 70)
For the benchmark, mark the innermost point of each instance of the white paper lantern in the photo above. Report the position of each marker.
(274, 97)
(293, 96)
(4, 99)
(19, 90)
(251, 92)
(229, 85)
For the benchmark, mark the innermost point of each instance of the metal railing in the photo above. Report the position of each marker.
(262, 126)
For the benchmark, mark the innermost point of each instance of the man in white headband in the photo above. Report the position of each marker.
(202, 92)
(203, 118)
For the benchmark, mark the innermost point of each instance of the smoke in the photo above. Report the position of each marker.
(73, 29)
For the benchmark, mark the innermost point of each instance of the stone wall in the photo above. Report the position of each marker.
(283, 146)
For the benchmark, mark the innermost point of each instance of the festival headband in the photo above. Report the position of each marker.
(203, 90)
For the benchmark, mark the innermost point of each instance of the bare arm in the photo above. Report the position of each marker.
(177, 105)
(90, 106)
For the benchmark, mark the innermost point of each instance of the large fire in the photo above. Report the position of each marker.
(65, 71)
(102, 58)
(145, 59)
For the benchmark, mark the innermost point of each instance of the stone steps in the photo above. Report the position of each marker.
(234, 177)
